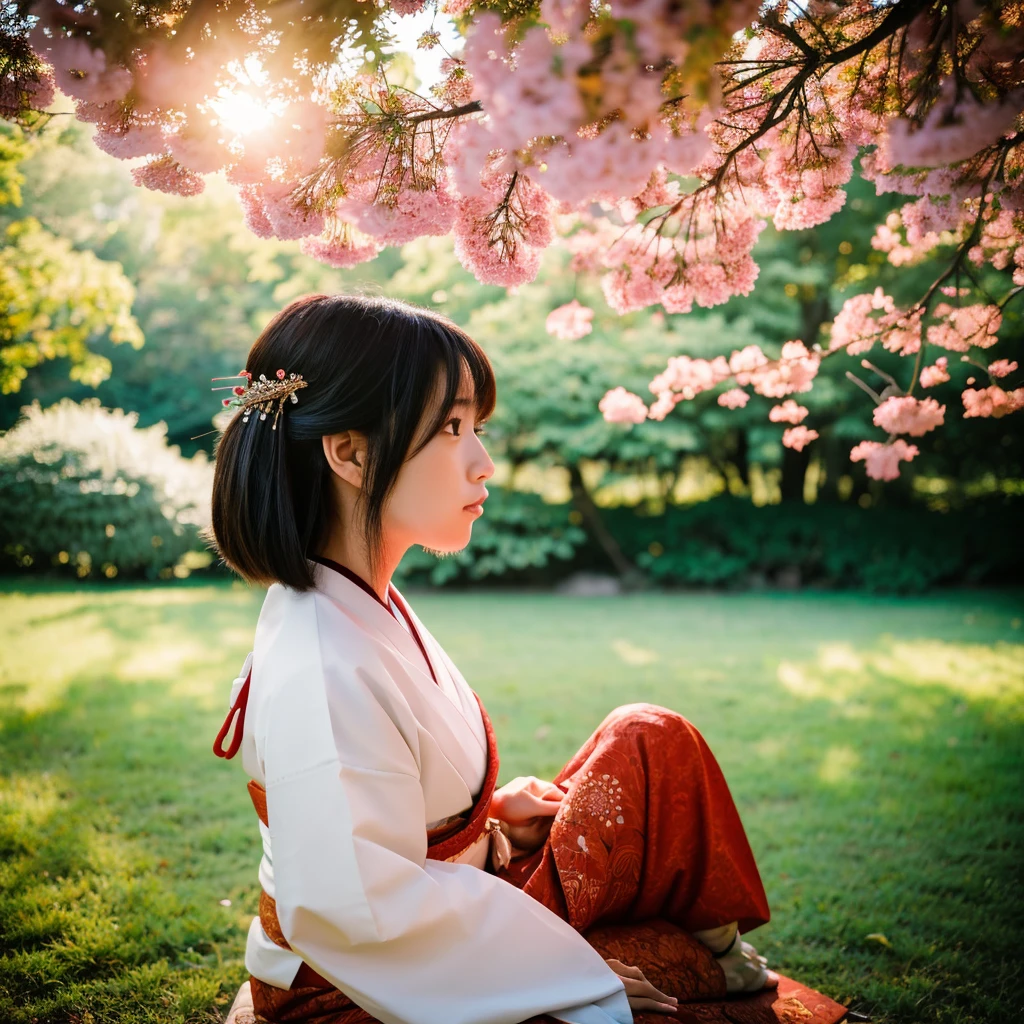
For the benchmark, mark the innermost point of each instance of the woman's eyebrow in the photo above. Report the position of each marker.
(464, 401)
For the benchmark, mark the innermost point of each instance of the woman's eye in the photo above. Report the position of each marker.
(454, 423)
(479, 430)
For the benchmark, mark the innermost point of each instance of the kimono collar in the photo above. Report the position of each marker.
(337, 567)
(456, 704)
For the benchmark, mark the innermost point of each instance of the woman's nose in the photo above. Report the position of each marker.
(483, 467)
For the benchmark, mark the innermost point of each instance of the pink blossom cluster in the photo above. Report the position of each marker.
(663, 405)
(882, 461)
(956, 127)
(270, 210)
(807, 177)
(704, 264)
(1002, 241)
(79, 70)
(958, 328)
(126, 142)
(909, 234)
(412, 214)
(938, 373)
(456, 88)
(1002, 368)
(622, 406)
(734, 398)
(569, 322)
(798, 438)
(501, 232)
(992, 401)
(787, 412)
(908, 415)
(587, 138)
(856, 328)
(794, 370)
(345, 249)
(166, 175)
(688, 377)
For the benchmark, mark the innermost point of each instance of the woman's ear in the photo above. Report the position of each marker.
(346, 454)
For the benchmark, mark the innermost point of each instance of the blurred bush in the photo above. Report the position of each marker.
(86, 491)
(519, 539)
(729, 542)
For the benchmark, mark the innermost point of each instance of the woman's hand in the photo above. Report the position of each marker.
(642, 995)
(528, 805)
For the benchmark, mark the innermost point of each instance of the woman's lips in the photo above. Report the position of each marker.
(476, 507)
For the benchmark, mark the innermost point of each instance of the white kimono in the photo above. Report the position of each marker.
(360, 752)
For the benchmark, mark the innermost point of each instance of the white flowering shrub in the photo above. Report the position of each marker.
(84, 489)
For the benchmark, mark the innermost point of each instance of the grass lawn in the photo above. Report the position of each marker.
(875, 748)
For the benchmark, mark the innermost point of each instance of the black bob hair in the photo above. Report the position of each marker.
(372, 365)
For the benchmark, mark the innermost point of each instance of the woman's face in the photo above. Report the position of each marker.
(439, 492)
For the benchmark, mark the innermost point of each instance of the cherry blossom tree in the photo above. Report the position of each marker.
(655, 140)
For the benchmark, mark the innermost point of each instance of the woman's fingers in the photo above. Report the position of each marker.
(547, 808)
(520, 807)
(641, 993)
(643, 989)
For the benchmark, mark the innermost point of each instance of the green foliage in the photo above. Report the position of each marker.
(205, 286)
(84, 490)
(14, 147)
(56, 301)
(549, 389)
(518, 535)
(727, 542)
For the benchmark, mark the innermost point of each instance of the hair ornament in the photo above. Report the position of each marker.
(260, 395)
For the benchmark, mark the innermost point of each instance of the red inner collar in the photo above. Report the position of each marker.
(350, 575)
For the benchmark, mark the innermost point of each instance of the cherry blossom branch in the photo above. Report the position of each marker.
(473, 107)
(864, 387)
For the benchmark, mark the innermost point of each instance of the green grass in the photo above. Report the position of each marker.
(873, 745)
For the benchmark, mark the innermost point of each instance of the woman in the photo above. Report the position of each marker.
(399, 885)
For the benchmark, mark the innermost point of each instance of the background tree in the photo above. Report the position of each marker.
(56, 302)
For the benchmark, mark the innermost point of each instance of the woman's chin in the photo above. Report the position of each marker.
(449, 546)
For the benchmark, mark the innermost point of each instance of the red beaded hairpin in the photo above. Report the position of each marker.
(262, 393)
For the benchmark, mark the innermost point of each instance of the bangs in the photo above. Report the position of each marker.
(458, 357)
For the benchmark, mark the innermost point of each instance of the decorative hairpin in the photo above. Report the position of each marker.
(262, 394)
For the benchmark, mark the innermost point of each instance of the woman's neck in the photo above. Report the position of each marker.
(356, 559)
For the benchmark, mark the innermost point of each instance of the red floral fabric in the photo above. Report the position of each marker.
(646, 847)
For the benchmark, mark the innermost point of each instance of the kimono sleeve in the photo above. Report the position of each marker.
(410, 940)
